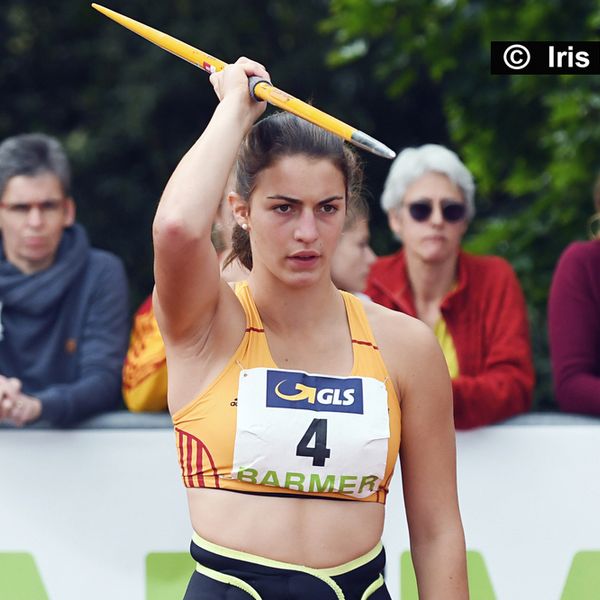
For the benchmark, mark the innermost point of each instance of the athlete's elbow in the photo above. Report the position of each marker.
(172, 231)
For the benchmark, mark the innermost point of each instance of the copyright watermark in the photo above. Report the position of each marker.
(545, 58)
(516, 57)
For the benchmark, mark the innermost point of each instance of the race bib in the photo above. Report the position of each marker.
(311, 433)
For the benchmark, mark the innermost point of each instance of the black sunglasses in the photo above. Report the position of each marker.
(452, 211)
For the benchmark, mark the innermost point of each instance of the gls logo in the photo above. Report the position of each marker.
(291, 389)
(324, 396)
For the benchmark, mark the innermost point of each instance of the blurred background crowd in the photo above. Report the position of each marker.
(406, 72)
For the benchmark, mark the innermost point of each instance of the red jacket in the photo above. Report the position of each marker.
(487, 319)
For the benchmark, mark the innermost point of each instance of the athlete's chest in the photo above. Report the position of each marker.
(332, 353)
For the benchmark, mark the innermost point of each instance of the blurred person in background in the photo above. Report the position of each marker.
(63, 305)
(474, 304)
(353, 256)
(574, 323)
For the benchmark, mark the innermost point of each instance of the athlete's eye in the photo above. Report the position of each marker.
(329, 209)
(282, 208)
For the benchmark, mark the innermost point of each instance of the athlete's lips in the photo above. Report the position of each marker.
(305, 254)
(304, 258)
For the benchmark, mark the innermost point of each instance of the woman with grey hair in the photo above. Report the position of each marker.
(474, 304)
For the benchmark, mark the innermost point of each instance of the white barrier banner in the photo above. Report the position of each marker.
(100, 514)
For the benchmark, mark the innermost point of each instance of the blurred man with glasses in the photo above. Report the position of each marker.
(63, 304)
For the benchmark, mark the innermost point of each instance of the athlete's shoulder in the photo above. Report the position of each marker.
(398, 334)
(381, 316)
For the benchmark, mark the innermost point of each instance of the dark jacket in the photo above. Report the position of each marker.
(64, 330)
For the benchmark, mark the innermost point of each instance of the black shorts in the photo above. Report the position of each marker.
(225, 574)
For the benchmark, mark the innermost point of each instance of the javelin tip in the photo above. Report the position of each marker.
(372, 145)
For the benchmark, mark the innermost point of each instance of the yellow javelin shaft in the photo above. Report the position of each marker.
(260, 88)
(200, 59)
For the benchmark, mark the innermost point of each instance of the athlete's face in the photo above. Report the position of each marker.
(295, 218)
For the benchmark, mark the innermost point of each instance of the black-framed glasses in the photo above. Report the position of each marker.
(452, 211)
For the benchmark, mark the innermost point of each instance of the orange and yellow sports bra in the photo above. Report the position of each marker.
(261, 429)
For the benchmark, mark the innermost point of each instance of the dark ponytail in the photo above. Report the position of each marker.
(240, 248)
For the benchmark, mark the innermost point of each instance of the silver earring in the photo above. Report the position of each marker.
(244, 226)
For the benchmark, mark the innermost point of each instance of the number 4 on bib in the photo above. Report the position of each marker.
(319, 452)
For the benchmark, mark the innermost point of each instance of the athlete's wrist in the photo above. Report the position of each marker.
(241, 109)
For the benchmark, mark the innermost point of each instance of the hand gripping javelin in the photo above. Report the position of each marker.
(259, 88)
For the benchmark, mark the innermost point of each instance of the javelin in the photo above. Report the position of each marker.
(259, 88)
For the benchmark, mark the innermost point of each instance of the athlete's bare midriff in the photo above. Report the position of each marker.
(313, 532)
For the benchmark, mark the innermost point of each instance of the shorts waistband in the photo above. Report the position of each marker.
(277, 564)
(218, 567)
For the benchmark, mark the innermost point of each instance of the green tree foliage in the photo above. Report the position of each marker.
(530, 141)
(405, 71)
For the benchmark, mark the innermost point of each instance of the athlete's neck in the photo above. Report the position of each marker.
(286, 309)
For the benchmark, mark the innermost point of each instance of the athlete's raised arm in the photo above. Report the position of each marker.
(186, 268)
